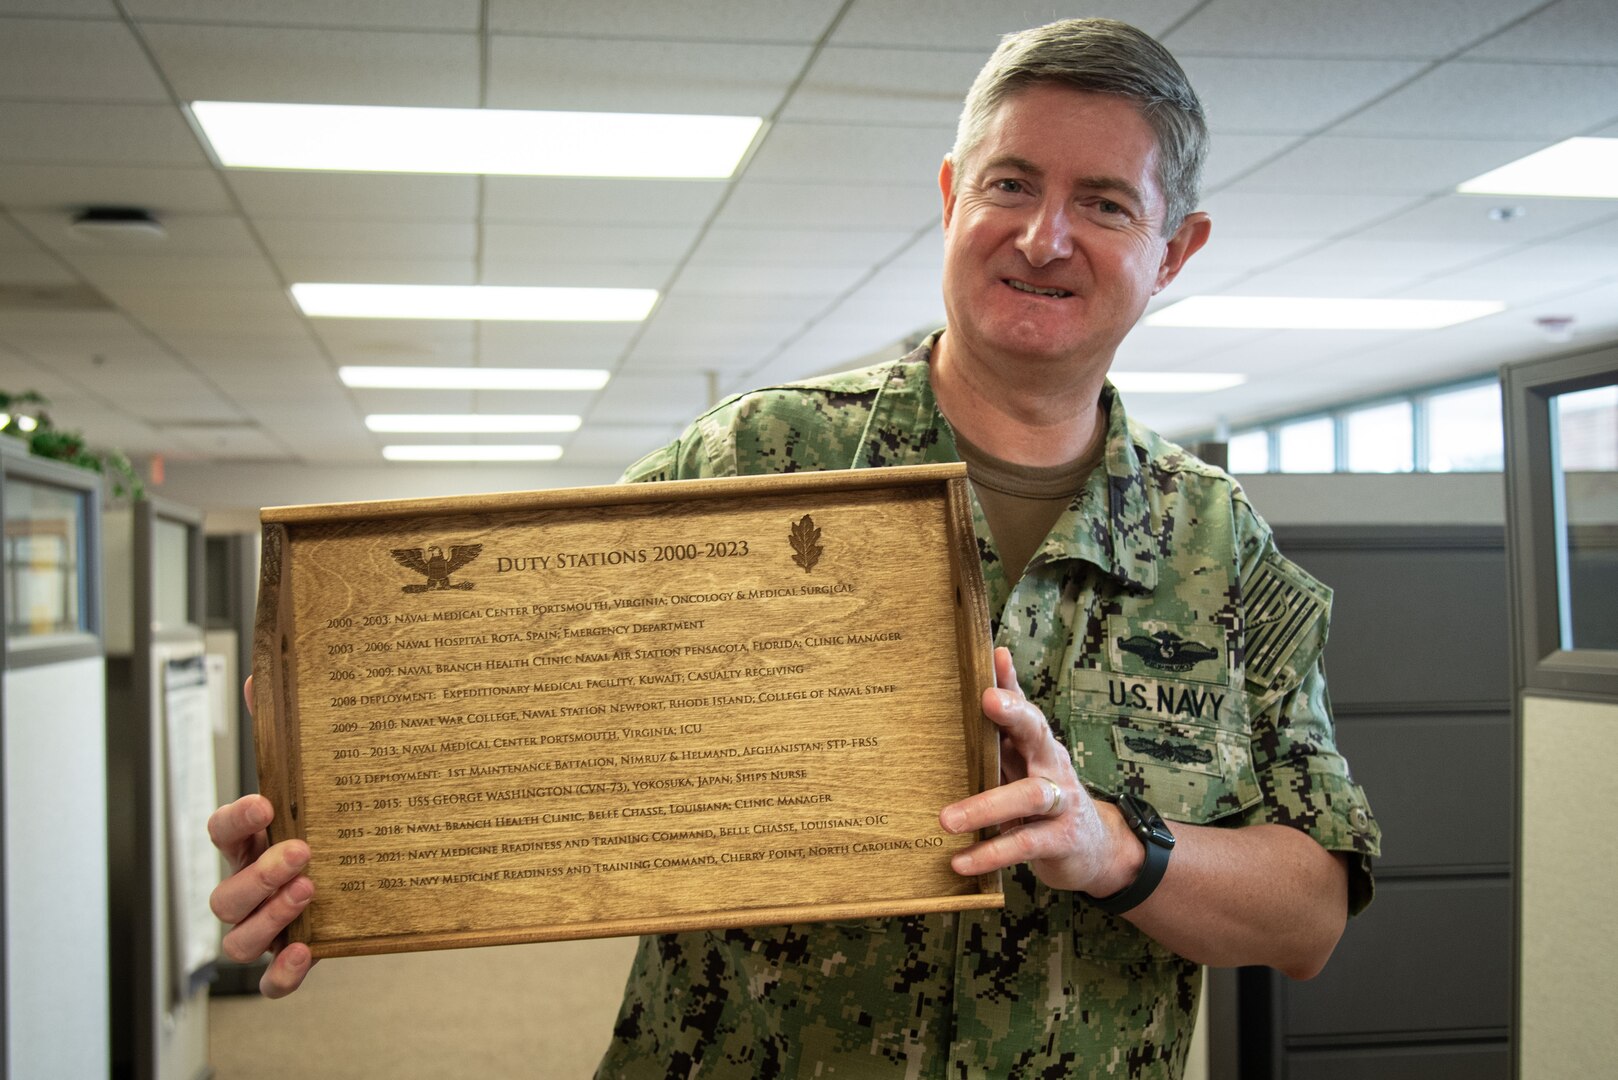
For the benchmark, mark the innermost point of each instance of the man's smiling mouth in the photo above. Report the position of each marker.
(1023, 286)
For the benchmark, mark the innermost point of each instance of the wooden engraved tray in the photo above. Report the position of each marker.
(624, 710)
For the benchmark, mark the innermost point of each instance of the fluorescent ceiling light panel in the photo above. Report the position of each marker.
(469, 378)
(472, 453)
(1174, 382)
(1320, 313)
(504, 303)
(478, 423)
(509, 142)
(1573, 169)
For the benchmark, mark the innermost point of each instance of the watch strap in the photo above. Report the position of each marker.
(1147, 825)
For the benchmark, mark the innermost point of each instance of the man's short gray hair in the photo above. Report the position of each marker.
(1109, 57)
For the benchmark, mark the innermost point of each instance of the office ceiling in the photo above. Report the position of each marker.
(1341, 129)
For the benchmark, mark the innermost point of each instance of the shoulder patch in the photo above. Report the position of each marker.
(1285, 610)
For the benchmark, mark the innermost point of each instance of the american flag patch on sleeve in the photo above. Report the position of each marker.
(1286, 611)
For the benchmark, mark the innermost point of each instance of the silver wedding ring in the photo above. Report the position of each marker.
(1056, 798)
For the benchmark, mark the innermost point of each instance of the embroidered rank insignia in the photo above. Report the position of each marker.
(1285, 608)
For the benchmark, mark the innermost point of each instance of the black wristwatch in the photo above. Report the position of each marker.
(1147, 824)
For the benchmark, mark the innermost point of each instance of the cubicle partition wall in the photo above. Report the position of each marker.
(160, 740)
(53, 770)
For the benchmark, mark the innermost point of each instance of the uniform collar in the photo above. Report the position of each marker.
(1114, 523)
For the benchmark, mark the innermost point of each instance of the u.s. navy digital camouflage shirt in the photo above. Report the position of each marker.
(1176, 655)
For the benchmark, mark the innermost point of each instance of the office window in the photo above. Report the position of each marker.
(1308, 446)
(1381, 439)
(44, 565)
(1249, 452)
(1585, 465)
(1464, 432)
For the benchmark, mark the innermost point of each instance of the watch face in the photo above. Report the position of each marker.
(1145, 820)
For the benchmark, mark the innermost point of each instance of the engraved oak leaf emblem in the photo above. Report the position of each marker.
(805, 539)
(435, 566)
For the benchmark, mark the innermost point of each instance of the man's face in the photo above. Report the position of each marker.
(1053, 230)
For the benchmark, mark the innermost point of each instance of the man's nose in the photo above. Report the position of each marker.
(1048, 236)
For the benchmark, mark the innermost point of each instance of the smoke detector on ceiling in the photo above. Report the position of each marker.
(117, 225)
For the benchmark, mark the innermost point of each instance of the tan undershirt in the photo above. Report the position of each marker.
(1022, 502)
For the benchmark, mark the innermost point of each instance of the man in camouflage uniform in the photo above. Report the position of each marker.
(1152, 645)
(1174, 651)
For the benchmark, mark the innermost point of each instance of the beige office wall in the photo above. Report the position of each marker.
(1569, 959)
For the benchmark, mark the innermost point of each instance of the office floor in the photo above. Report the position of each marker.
(519, 1011)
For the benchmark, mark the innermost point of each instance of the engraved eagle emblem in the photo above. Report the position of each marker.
(1167, 651)
(435, 566)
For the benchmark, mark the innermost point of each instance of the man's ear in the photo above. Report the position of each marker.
(1186, 242)
(946, 188)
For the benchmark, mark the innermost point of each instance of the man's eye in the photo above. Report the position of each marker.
(1107, 206)
(1012, 186)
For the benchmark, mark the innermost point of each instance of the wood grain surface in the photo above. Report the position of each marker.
(604, 711)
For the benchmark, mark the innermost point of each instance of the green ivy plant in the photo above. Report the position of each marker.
(48, 441)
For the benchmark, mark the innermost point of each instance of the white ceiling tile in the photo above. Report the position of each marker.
(369, 239)
(1274, 95)
(1242, 213)
(396, 341)
(1467, 218)
(760, 203)
(884, 86)
(1366, 165)
(561, 269)
(615, 447)
(412, 401)
(269, 358)
(183, 235)
(554, 344)
(1326, 28)
(202, 308)
(59, 60)
(650, 399)
(1572, 30)
(58, 133)
(67, 188)
(13, 239)
(1228, 255)
(365, 196)
(1464, 99)
(511, 241)
(1391, 258)
(1322, 276)
(696, 311)
(213, 63)
(600, 201)
(30, 266)
(369, 14)
(859, 155)
(26, 329)
(380, 271)
(965, 24)
(1589, 261)
(1229, 156)
(60, 8)
(809, 247)
(800, 21)
(232, 442)
(1172, 348)
(789, 278)
(110, 273)
(640, 76)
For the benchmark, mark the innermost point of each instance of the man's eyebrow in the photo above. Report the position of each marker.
(1113, 183)
(1092, 183)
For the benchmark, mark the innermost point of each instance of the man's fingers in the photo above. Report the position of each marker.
(237, 896)
(1027, 798)
(253, 935)
(1019, 844)
(286, 972)
(233, 825)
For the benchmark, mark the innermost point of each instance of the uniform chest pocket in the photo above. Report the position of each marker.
(1185, 749)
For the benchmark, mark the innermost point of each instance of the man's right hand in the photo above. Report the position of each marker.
(265, 891)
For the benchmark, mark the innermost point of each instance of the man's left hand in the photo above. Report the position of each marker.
(1045, 816)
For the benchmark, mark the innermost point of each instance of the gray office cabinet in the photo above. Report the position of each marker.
(1419, 674)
